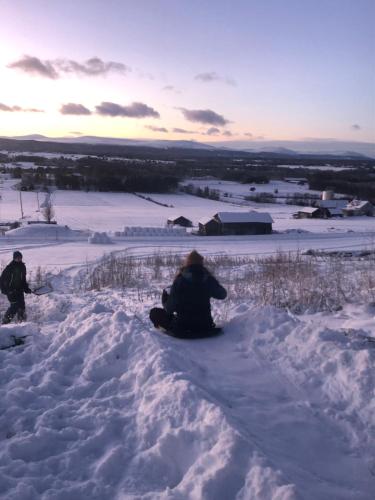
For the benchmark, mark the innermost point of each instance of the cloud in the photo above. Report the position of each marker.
(75, 132)
(74, 109)
(144, 75)
(211, 76)
(171, 88)
(227, 133)
(92, 67)
(248, 134)
(134, 110)
(54, 68)
(156, 129)
(183, 131)
(212, 131)
(206, 116)
(355, 126)
(35, 66)
(19, 109)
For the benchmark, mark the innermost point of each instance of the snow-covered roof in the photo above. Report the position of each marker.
(205, 220)
(356, 204)
(238, 217)
(294, 179)
(308, 210)
(175, 217)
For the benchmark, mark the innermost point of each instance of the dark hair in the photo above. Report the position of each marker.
(193, 258)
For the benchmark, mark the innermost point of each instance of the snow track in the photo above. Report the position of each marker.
(98, 405)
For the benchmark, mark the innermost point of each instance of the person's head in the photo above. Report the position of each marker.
(17, 256)
(194, 259)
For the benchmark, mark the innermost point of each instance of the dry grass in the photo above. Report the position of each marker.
(298, 282)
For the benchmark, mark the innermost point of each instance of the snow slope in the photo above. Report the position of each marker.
(99, 405)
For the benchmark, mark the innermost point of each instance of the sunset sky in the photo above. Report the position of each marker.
(204, 70)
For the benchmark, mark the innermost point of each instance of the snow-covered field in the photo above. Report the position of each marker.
(111, 212)
(283, 188)
(98, 405)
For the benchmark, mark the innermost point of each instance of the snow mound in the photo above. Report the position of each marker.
(43, 231)
(100, 405)
(21, 331)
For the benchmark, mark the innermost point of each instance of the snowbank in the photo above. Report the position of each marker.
(44, 231)
(99, 405)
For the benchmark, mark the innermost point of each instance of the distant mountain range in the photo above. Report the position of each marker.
(350, 149)
(311, 147)
(92, 139)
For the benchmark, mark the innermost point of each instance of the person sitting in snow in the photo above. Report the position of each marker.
(187, 308)
(13, 284)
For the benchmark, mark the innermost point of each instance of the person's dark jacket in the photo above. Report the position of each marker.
(190, 296)
(13, 279)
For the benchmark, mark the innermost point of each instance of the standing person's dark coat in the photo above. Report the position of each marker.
(187, 307)
(13, 284)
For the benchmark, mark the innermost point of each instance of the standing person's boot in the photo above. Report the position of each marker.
(10, 312)
(21, 315)
(6, 319)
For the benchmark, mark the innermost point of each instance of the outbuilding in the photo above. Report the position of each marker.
(209, 227)
(179, 221)
(312, 213)
(237, 223)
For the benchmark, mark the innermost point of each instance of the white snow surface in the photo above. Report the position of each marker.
(98, 404)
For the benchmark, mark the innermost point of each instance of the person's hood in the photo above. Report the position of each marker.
(194, 274)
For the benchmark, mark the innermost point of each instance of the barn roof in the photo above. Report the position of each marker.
(308, 210)
(241, 217)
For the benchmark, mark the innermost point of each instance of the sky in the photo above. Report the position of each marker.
(241, 70)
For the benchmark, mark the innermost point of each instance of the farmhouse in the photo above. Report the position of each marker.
(179, 221)
(358, 207)
(236, 223)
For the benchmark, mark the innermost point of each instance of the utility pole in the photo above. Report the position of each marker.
(37, 199)
(21, 204)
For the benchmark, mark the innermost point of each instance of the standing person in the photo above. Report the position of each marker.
(13, 284)
(187, 307)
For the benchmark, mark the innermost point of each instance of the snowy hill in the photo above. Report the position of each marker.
(99, 405)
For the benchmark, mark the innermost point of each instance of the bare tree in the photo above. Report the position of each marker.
(48, 211)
